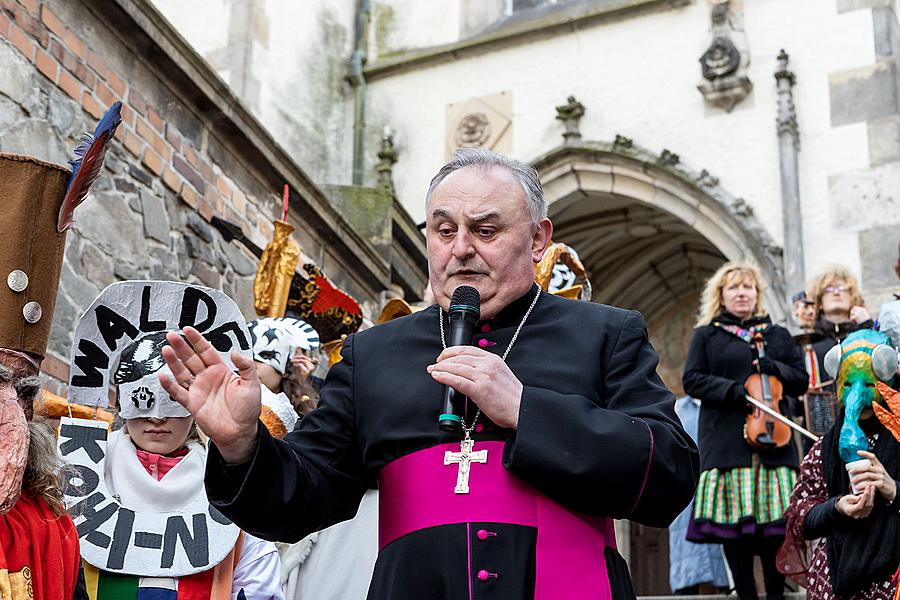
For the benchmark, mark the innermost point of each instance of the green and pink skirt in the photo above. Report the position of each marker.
(743, 502)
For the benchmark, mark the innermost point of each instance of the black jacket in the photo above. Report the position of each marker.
(717, 365)
(832, 333)
(597, 432)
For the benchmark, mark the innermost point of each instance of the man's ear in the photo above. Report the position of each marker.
(541, 239)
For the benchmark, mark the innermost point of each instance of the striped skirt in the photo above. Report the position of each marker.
(741, 502)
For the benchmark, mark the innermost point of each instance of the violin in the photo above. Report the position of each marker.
(761, 430)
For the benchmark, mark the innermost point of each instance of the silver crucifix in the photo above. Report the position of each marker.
(464, 458)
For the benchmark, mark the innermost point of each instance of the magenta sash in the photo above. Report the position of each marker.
(416, 492)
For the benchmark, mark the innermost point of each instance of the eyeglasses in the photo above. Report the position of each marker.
(836, 289)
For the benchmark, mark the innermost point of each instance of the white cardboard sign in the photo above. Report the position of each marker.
(121, 540)
(130, 310)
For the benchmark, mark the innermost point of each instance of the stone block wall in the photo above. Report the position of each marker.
(169, 170)
(867, 201)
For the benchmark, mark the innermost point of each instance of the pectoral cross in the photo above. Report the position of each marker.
(464, 458)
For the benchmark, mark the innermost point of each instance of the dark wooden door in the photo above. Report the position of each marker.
(650, 560)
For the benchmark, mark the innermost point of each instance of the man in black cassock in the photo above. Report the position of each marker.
(572, 429)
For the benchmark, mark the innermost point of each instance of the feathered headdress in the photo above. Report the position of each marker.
(85, 168)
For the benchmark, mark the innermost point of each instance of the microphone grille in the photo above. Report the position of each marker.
(466, 297)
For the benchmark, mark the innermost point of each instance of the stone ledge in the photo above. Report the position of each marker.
(848, 5)
(517, 32)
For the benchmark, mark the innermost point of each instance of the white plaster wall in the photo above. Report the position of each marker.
(203, 23)
(300, 67)
(404, 24)
(304, 101)
(638, 76)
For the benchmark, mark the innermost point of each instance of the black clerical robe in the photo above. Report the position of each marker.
(597, 434)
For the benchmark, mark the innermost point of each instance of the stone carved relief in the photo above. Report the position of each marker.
(724, 63)
(484, 122)
(473, 131)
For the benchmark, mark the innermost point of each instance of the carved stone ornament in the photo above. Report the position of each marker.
(473, 131)
(387, 156)
(668, 158)
(623, 142)
(482, 122)
(570, 114)
(721, 59)
(724, 63)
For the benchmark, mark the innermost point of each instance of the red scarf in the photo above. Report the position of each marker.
(38, 552)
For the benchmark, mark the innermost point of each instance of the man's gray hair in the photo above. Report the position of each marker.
(485, 159)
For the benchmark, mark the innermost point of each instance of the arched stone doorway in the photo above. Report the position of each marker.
(650, 232)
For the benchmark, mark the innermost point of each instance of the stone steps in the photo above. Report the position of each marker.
(787, 596)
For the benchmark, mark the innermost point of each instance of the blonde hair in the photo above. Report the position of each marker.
(711, 300)
(831, 275)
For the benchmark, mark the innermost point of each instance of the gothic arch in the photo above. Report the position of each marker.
(649, 229)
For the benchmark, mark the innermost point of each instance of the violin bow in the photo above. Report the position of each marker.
(781, 418)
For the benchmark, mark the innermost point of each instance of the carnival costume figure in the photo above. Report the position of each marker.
(147, 528)
(744, 484)
(282, 351)
(846, 496)
(38, 541)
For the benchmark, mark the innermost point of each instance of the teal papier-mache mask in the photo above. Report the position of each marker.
(864, 358)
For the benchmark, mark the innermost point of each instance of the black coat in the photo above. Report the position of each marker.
(597, 432)
(717, 365)
(832, 333)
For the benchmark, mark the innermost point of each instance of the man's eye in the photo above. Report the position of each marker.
(445, 232)
(485, 232)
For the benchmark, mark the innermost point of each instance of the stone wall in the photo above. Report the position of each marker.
(643, 86)
(865, 201)
(179, 158)
(287, 61)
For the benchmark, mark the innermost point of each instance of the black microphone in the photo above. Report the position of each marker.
(465, 310)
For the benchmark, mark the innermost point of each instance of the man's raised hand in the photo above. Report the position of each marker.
(225, 405)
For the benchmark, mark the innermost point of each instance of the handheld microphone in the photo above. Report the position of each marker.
(465, 310)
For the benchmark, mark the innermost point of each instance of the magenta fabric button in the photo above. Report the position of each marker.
(483, 575)
(482, 534)
(485, 328)
(483, 343)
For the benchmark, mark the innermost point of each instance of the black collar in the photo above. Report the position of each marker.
(512, 313)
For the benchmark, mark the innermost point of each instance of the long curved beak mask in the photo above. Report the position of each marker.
(13, 447)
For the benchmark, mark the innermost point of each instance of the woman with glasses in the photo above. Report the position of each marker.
(840, 309)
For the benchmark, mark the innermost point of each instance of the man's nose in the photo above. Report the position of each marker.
(462, 245)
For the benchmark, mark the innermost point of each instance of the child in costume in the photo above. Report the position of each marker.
(148, 531)
(846, 494)
(281, 350)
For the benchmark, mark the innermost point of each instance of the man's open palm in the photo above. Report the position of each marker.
(225, 405)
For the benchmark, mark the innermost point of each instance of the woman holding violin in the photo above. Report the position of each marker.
(748, 458)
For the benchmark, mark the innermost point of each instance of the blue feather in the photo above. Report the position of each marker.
(89, 155)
